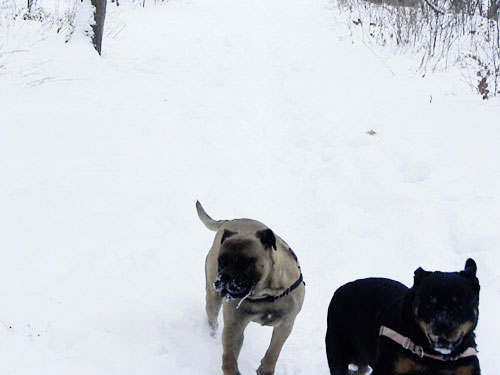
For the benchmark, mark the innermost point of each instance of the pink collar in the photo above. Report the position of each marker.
(406, 343)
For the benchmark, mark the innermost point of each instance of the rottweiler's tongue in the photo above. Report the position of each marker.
(444, 351)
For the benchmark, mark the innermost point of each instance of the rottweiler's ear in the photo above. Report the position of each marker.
(227, 233)
(267, 237)
(419, 275)
(470, 268)
(470, 273)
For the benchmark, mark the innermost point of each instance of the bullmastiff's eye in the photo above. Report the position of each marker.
(222, 260)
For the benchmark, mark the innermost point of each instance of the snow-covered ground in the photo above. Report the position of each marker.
(259, 109)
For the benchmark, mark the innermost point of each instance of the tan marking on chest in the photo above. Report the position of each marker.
(463, 370)
(406, 365)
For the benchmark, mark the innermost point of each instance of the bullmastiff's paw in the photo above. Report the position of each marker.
(261, 371)
(213, 327)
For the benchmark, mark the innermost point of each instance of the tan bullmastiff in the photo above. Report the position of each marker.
(257, 277)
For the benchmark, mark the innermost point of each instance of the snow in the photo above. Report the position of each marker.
(84, 19)
(258, 109)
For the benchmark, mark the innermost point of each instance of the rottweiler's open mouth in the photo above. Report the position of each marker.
(444, 345)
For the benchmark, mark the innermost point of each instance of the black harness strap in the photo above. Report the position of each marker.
(294, 286)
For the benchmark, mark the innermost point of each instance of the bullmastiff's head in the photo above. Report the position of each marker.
(243, 260)
(445, 306)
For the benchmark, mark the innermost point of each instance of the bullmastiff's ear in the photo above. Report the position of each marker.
(227, 233)
(267, 237)
(419, 275)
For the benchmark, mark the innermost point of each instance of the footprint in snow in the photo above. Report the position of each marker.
(414, 172)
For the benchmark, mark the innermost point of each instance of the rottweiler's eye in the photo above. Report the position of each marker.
(433, 300)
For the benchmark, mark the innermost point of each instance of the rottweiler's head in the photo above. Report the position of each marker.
(243, 261)
(445, 306)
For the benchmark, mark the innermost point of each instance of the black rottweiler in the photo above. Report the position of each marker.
(425, 330)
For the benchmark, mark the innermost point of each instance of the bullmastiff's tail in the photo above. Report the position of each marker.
(207, 220)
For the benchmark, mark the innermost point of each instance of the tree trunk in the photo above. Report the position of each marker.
(494, 8)
(98, 28)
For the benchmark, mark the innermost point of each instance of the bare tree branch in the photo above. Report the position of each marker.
(435, 8)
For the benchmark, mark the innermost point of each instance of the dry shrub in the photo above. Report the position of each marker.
(442, 33)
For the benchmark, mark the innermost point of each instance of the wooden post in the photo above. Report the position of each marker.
(98, 28)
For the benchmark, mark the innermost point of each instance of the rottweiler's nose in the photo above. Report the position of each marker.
(442, 328)
(443, 324)
(444, 342)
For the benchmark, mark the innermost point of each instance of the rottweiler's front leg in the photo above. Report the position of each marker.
(383, 370)
(386, 363)
(469, 369)
(476, 368)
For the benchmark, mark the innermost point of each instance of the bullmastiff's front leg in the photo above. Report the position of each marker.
(232, 340)
(213, 304)
(280, 334)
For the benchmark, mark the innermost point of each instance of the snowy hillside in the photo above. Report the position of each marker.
(258, 109)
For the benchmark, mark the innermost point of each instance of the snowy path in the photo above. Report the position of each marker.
(258, 109)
